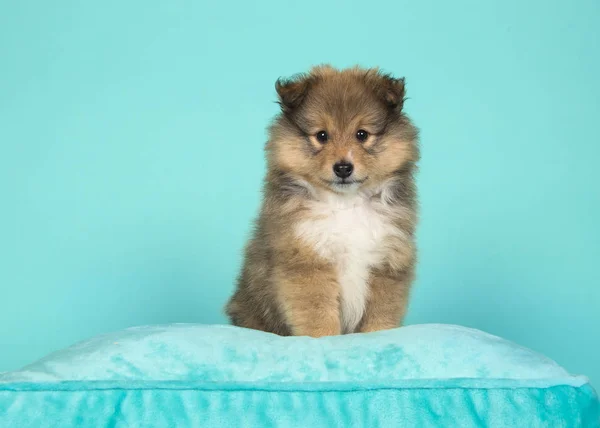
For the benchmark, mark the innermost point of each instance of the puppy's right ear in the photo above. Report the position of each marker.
(292, 91)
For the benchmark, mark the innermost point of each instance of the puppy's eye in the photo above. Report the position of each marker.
(322, 137)
(362, 135)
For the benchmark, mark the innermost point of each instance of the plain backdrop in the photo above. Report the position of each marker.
(131, 161)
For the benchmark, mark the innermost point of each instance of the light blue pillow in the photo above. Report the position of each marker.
(220, 376)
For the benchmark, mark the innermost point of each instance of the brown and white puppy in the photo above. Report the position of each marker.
(333, 250)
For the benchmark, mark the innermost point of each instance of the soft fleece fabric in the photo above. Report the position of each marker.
(222, 376)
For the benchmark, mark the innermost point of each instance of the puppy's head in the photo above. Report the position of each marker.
(342, 130)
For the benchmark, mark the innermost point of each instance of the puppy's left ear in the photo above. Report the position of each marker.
(292, 91)
(392, 90)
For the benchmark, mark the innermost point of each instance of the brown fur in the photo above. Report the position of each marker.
(286, 286)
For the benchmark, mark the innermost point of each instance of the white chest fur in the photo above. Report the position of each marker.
(350, 232)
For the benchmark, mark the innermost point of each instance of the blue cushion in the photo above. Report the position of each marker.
(207, 376)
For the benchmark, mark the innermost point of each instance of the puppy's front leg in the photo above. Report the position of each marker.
(387, 300)
(308, 295)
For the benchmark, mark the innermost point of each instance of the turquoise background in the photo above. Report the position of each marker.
(131, 159)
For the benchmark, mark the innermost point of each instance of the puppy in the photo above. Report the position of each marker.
(333, 249)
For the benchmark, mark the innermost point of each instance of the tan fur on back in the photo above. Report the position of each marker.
(332, 255)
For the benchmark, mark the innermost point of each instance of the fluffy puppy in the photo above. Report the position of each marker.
(333, 249)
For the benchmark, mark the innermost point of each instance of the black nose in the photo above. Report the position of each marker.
(343, 169)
